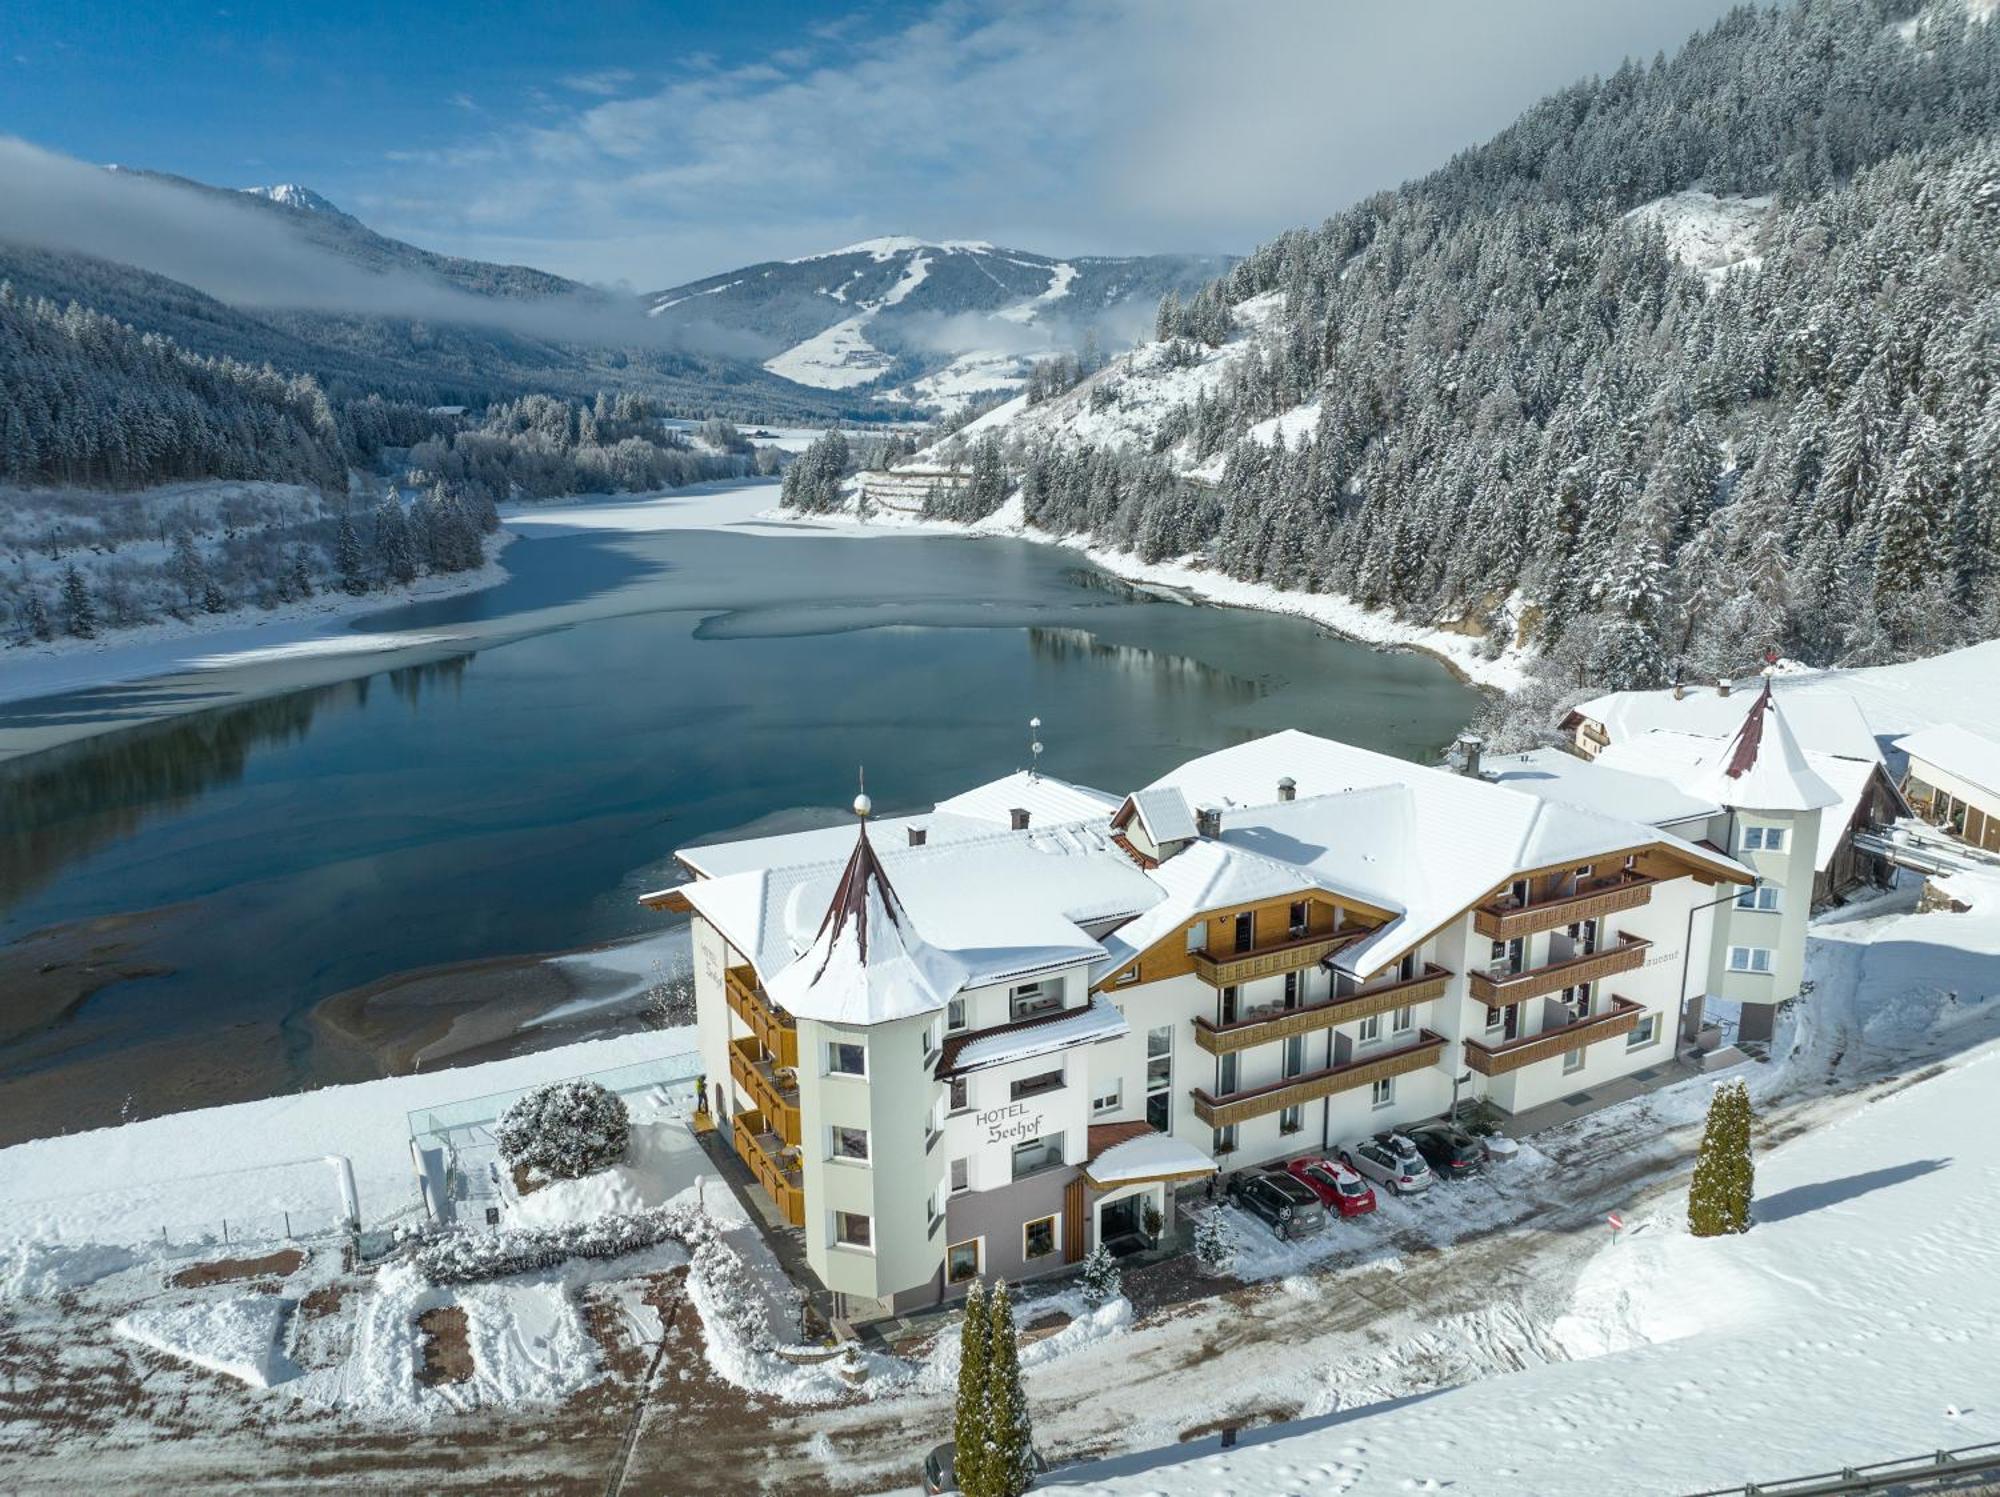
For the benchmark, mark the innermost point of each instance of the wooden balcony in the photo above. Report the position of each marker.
(775, 1031)
(1230, 969)
(1497, 991)
(1497, 1060)
(1502, 920)
(1295, 1091)
(761, 1150)
(1264, 1027)
(775, 1096)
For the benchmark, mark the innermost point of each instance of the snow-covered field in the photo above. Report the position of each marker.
(1714, 235)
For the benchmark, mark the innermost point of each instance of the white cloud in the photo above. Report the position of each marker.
(605, 83)
(1104, 125)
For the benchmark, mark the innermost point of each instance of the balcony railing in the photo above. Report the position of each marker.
(775, 1031)
(1267, 1025)
(1294, 1091)
(775, 1096)
(1497, 990)
(1228, 969)
(1503, 920)
(761, 1150)
(1497, 1060)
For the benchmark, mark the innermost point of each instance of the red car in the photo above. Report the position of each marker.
(1335, 1184)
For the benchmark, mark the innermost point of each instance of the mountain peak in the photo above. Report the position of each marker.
(291, 195)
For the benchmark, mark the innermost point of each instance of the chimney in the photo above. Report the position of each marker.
(917, 835)
(1018, 818)
(1288, 788)
(1723, 687)
(1679, 691)
(1208, 822)
(1469, 749)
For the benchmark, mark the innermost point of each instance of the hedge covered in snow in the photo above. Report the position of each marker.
(566, 1130)
(468, 1258)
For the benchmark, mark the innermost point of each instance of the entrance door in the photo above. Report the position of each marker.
(1121, 1226)
(1512, 1028)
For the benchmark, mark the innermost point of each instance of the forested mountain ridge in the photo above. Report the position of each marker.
(1494, 398)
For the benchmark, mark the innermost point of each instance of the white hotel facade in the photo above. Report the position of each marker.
(978, 1041)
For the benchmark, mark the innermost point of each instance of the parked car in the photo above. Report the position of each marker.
(939, 1476)
(1389, 1159)
(1335, 1184)
(1288, 1207)
(1450, 1152)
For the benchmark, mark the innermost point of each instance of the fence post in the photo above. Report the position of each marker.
(288, 1226)
(225, 1231)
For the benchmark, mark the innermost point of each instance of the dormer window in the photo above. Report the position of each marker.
(1028, 999)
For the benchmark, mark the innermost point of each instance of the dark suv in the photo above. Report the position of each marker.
(1451, 1152)
(1291, 1209)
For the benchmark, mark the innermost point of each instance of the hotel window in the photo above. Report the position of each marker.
(1028, 999)
(931, 1041)
(1291, 990)
(1749, 959)
(961, 1262)
(1371, 1029)
(1036, 1155)
(1643, 1033)
(851, 1229)
(1246, 930)
(1109, 1101)
(1763, 839)
(1573, 1059)
(1038, 1238)
(1298, 917)
(1225, 1140)
(1291, 1120)
(1197, 937)
(1160, 1077)
(959, 1101)
(1295, 1054)
(850, 1143)
(1763, 897)
(1383, 1092)
(1130, 974)
(846, 1059)
(961, 1175)
(1493, 1018)
(1034, 1086)
(1405, 1021)
(1226, 1070)
(954, 1016)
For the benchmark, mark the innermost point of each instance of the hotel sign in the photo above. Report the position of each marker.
(1012, 1124)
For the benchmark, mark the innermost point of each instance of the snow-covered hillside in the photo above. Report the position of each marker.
(1711, 234)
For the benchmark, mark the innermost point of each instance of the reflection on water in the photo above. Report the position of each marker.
(59, 805)
(655, 692)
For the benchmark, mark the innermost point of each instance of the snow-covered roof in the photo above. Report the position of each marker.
(1147, 1156)
(1605, 784)
(1957, 751)
(1829, 721)
(867, 964)
(825, 843)
(1096, 1020)
(1044, 798)
(1207, 875)
(1165, 814)
(1763, 768)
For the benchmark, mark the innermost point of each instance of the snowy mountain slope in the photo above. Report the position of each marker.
(941, 321)
(292, 195)
(1711, 234)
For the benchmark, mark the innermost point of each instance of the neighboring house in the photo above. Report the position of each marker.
(1954, 781)
(1674, 733)
(982, 1040)
(1776, 808)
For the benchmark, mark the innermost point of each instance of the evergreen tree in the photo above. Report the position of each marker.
(301, 574)
(1008, 1467)
(394, 553)
(213, 599)
(1101, 1281)
(36, 616)
(1724, 1177)
(79, 613)
(347, 559)
(1213, 1245)
(186, 568)
(969, 1430)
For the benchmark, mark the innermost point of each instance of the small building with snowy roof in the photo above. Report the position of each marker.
(1954, 781)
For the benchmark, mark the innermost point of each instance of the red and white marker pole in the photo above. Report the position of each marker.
(1617, 1225)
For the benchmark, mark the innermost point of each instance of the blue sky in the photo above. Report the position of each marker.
(657, 143)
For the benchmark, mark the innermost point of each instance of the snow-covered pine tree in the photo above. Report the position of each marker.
(186, 569)
(347, 559)
(1719, 1196)
(301, 574)
(393, 550)
(1101, 1281)
(79, 613)
(968, 1426)
(1214, 1248)
(1008, 1467)
(35, 614)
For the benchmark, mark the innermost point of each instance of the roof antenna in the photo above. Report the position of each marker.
(863, 806)
(1034, 749)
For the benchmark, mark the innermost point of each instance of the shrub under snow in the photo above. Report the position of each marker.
(565, 1130)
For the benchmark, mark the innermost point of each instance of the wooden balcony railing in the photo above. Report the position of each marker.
(1293, 1091)
(1499, 990)
(1229, 969)
(1281, 1024)
(775, 1096)
(1497, 1060)
(1502, 921)
(775, 1031)
(759, 1149)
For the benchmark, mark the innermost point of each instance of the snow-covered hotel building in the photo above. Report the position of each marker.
(979, 1040)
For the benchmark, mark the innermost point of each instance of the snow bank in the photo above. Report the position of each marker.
(237, 1337)
(42, 1270)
